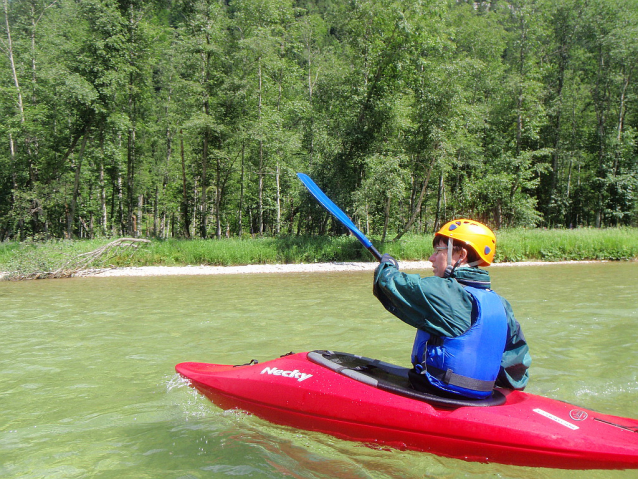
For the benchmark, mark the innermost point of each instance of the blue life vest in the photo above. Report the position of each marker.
(467, 364)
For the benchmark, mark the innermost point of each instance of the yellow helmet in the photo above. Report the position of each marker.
(474, 234)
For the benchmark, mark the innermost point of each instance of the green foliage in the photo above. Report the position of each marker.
(191, 118)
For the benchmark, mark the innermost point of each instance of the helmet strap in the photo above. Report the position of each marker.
(450, 269)
(450, 247)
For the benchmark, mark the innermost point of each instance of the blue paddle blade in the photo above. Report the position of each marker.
(327, 203)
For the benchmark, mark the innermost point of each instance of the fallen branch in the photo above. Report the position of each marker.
(97, 259)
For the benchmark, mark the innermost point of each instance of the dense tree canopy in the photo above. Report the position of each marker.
(190, 117)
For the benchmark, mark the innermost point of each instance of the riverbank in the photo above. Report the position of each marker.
(136, 256)
(204, 270)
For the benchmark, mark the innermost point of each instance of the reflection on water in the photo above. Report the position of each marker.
(89, 390)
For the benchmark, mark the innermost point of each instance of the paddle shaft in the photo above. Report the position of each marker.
(327, 203)
(375, 253)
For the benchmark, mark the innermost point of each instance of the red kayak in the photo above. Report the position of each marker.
(362, 399)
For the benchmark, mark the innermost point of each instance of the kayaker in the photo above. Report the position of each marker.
(467, 340)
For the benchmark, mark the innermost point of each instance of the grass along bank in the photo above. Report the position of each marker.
(513, 245)
(613, 244)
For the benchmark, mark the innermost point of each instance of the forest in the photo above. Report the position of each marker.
(190, 118)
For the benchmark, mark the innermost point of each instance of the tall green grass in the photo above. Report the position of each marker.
(512, 245)
(576, 244)
(515, 245)
(227, 252)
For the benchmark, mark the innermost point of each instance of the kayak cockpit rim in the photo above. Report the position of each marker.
(392, 378)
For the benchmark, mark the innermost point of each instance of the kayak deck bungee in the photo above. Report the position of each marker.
(362, 399)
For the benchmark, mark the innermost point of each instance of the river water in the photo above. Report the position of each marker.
(89, 390)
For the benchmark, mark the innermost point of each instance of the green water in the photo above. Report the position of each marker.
(89, 390)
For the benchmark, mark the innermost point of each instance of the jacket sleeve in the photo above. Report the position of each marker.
(514, 372)
(436, 305)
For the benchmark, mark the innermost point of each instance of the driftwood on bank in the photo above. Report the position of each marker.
(77, 263)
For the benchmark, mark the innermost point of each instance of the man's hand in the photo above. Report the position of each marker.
(386, 258)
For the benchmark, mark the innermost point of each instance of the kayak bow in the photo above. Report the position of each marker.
(362, 399)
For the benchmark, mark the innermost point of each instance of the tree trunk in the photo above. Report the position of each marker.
(261, 160)
(76, 185)
(417, 209)
(218, 201)
(156, 212)
(91, 216)
(9, 52)
(12, 154)
(623, 107)
(131, 160)
(160, 230)
(185, 212)
(498, 214)
(158, 224)
(278, 198)
(16, 82)
(120, 205)
(291, 219)
(312, 116)
(203, 210)
(206, 56)
(601, 94)
(556, 128)
(140, 216)
(220, 183)
(240, 214)
(104, 217)
(195, 207)
(437, 217)
(621, 117)
(386, 218)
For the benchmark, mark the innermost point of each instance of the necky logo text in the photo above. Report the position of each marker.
(296, 374)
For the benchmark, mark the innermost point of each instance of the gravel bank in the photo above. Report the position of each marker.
(281, 268)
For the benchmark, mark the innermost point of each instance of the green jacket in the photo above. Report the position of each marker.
(442, 307)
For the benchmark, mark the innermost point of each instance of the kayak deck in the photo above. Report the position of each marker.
(526, 429)
(392, 378)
